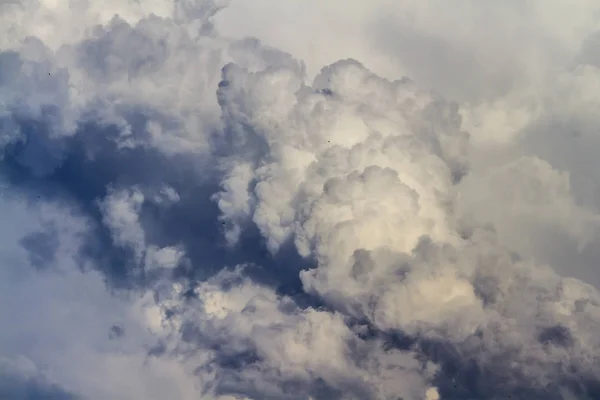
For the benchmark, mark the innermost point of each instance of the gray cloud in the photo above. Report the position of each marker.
(208, 217)
(41, 246)
(18, 382)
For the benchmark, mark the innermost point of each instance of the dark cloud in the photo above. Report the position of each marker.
(15, 386)
(42, 247)
(116, 331)
(91, 162)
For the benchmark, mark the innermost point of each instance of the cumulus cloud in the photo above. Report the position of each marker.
(372, 204)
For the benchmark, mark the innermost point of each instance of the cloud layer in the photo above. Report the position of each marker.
(204, 200)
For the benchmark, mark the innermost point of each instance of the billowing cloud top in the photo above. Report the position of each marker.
(299, 200)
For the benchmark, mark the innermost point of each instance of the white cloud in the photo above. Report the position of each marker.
(162, 149)
(121, 211)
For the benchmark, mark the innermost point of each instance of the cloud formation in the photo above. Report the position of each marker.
(191, 212)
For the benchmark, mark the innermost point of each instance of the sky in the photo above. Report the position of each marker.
(294, 200)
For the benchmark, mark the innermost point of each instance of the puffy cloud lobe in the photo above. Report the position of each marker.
(324, 135)
(339, 174)
(262, 344)
(552, 125)
(539, 198)
(121, 210)
(347, 198)
(370, 180)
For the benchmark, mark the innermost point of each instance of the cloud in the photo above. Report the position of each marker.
(190, 212)
(20, 380)
(58, 336)
(264, 345)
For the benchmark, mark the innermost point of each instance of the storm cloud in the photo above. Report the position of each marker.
(380, 200)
